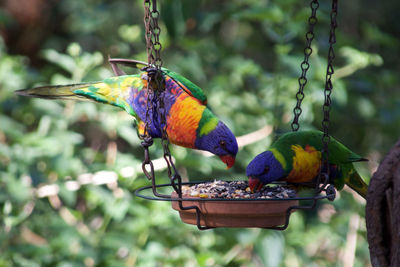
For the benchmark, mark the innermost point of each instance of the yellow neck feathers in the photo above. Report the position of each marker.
(306, 163)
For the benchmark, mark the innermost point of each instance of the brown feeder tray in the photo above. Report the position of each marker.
(234, 213)
(214, 210)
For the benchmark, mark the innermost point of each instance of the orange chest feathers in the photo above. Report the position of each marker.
(306, 164)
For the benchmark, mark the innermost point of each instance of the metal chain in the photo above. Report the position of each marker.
(312, 20)
(152, 34)
(156, 94)
(172, 171)
(329, 87)
(147, 140)
(153, 47)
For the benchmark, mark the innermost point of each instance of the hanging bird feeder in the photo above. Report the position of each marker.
(226, 208)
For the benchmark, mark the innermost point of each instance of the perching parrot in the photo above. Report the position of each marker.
(190, 123)
(296, 157)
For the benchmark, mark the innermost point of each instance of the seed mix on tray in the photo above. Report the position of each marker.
(235, 189)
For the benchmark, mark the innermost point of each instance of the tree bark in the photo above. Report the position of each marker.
(383, 211)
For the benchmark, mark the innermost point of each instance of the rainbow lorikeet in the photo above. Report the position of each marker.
(296, 157)
(190, 123)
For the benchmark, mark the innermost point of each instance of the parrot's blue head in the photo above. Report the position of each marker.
(218, 140)
(263, 169)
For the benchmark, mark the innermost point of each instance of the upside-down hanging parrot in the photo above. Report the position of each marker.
(296, 157)
(190, 123)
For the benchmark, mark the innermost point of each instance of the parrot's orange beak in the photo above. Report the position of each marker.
(229, 160)
(255, 184)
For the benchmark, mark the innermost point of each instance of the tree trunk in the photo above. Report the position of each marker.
(383, 211)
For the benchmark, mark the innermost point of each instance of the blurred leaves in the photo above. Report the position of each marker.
(270, 249)
(68, 169)
(356, 60)
(76, 62)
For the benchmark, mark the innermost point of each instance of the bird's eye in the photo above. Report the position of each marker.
(222, 143)
(266, 170)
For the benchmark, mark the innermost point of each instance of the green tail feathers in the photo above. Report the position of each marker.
(113, 91)
(355, 182)
(55, 92)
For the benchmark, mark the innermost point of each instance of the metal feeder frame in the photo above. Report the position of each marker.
(323, 189)
(329, 190)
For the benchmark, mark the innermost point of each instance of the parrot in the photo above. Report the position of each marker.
(189, 121)
(295, 157)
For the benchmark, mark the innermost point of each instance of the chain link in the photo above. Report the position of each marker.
(152, 34)
(156, 93)
(329, 87)
(153, 47)
(323, 177)
(312, 20)
(147, 140)
(146, 143)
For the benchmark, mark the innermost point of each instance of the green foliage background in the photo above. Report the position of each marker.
(246, 56)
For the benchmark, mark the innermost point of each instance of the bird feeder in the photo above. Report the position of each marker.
(272, 212)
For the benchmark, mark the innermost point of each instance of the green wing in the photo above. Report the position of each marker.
(187, 86)
(338, 153)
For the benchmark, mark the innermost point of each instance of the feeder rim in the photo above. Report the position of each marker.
(161, 198)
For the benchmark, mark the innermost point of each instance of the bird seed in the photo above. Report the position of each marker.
(235, 190)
